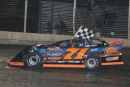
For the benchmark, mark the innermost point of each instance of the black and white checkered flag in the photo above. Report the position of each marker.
(84, 33)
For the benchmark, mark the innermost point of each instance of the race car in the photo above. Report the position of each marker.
(74, 53)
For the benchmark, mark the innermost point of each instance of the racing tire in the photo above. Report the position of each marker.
(92, 62)
(33, 60)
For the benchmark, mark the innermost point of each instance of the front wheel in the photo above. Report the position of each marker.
(33, 60)
(92, 62)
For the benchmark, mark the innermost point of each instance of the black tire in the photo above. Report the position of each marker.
(33, 61)
(92, 62)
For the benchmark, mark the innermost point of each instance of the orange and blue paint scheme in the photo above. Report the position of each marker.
(90, 55)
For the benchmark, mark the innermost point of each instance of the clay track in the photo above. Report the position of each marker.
(112, 76)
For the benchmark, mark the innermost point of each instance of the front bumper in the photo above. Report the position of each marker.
(15, 63)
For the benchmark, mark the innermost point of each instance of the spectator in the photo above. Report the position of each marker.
(105, 18)
(63, 27)
(57, 22)
(98, 22)
(92, 3)
(49, 25)
(89, 6)
(104, 15)
(100, 3)
(113, 18)
(109, 22)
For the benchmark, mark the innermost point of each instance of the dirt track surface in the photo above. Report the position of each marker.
(109, 76)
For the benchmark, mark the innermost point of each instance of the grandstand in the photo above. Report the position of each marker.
(12, 16)
(66, 13)
(121, 26)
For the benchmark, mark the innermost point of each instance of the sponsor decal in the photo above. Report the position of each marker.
(93, 50)
(117, 43)
(54, 58)
(110, 50)
(56, 48)
(54, 51)
(112, 58)
(38, 45)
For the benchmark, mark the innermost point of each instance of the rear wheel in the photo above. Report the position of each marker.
(33, 61)
(92, 62)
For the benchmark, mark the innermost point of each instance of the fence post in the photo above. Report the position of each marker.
(52, 10)
(129, 22)
(25, 15)
(74, 12)
(104, 3)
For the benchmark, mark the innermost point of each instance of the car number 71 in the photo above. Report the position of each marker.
(73, 51)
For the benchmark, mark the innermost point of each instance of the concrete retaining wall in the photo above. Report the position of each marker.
(33, 38)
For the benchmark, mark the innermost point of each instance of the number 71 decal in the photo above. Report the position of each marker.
(73, 51)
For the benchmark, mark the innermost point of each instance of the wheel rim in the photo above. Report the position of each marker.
(33, 60)
(91, 63)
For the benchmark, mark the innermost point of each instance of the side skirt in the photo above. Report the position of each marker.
(78, 65)
(64, 65)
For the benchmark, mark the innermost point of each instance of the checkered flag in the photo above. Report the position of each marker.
(84, 33)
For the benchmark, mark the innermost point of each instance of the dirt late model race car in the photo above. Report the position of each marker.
(75, 53)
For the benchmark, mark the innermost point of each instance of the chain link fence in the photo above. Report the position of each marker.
(43, 16)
